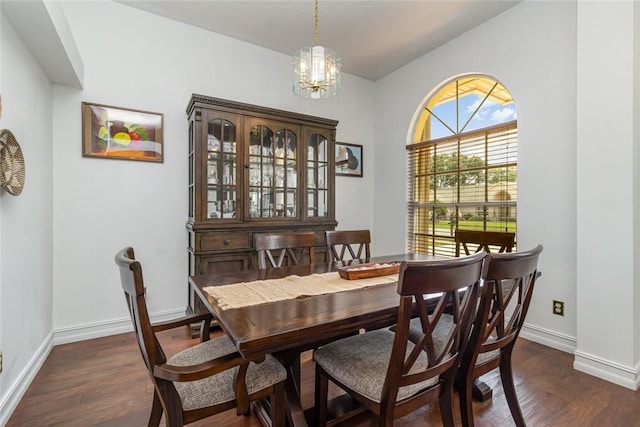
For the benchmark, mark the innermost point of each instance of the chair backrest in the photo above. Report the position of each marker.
(133, 287)
(292, 247)
(504, 241)
(343, 241)
(509, 280)
(457, 280)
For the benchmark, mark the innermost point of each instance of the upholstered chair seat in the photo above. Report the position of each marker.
(219, 388)
(360, 363)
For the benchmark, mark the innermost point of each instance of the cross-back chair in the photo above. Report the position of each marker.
(484, 241)
(386, 372)
(509, 280)
(280, 249)
(344, 243)
(206, 379)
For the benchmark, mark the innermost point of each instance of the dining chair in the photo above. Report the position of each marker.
(509, 280)
(386, 372)
(294, 248)
(339, 242)
(203, 380)
(484, 240)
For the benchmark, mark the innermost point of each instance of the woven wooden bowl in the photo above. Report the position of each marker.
(11, 163)
(367, 270)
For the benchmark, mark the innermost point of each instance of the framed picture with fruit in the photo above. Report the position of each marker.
(121, 133)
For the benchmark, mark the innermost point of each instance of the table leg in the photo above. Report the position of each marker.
(291, 361)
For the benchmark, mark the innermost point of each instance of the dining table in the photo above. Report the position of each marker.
(287, 325)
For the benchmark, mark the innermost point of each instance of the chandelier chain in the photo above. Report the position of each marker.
(315, 43)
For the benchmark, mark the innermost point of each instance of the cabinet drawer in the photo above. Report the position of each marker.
(222, 263)
(225, 241)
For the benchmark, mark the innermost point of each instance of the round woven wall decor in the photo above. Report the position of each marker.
(11, 163)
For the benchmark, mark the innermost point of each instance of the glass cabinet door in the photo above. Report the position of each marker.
(222, 168)
(317, 176)
(273, 172)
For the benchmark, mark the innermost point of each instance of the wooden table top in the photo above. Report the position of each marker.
(296, 323)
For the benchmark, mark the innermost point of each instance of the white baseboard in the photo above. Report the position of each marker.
(607, 370)
(549, 338)
(9, 401)
(103, 329)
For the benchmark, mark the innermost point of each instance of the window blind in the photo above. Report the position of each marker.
(468, 180)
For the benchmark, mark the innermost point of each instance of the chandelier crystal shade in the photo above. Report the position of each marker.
(316, 69)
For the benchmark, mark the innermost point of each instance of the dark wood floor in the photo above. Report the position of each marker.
(103, 382)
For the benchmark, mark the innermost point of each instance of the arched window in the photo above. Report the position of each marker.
(462, 164)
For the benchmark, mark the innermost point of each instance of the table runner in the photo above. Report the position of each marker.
(290, 287)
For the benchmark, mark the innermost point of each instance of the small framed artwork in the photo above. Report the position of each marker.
(348, 159)
(121, 133)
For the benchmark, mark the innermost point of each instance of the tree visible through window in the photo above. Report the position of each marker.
(462, 165)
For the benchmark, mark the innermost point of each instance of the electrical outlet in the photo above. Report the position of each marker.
(558, 308)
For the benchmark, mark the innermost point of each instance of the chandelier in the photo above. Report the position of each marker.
(316, 69)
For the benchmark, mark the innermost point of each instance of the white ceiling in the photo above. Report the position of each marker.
(373, 38)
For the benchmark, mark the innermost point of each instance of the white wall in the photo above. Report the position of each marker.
(605, 156)
(147, 62)
(26, 233)
(531, 49)
(636, 172)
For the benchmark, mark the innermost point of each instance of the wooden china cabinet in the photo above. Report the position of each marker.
(254, 169)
